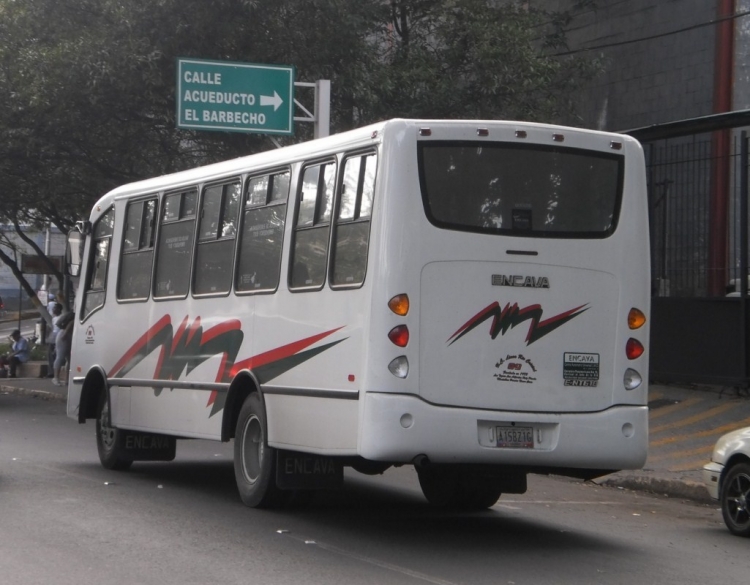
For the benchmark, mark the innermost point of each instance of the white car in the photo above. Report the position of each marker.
(727, 478)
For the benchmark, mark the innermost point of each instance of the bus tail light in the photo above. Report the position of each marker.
(399, 367)
(636, 318)
(634, 349)
(399, 335)
(399, 304)
(632, 379)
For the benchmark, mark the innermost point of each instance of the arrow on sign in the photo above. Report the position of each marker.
(275, 101)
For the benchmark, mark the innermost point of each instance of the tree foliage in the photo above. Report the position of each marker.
(87, 87)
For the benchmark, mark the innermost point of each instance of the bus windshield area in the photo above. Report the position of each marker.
(521, 190)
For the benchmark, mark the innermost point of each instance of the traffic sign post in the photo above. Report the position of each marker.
(235, 97)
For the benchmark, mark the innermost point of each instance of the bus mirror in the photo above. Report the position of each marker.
(75, 252)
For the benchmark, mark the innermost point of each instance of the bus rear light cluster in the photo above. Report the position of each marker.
(634, 349)
(399, 335)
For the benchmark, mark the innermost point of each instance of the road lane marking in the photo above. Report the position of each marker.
(716, 431)
(711, 412)
(664, 410)
(369, 560)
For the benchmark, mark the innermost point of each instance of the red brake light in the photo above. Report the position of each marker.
(634, 349)
(399, 335)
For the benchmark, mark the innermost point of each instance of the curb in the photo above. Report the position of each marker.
(672, 488)
(41, 394)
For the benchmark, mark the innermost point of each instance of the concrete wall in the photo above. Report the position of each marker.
(658, 57)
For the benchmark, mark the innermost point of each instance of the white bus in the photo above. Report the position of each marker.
(467, 297)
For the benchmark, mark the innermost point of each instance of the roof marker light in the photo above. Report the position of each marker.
(520, 133)
(636, 318)
(399, 304)
(558, 137)
(483, 132)
(425, 132)
(615, 145)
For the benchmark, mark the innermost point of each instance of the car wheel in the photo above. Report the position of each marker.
(735, 499)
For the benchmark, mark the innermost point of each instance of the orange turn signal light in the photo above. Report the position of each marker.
(399, 304)
(636, 318)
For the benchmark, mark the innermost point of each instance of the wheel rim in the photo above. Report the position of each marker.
(738, 500)
(106, 433)
(252, 449)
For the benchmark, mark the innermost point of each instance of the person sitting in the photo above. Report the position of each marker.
(20, 352)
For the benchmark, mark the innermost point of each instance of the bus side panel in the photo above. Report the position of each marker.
(313, 425)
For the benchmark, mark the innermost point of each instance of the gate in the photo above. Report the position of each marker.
(698, 201)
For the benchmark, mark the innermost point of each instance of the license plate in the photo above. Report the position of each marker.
(515, 437)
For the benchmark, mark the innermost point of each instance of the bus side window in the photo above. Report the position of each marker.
(352, 229)
(216, 235)
(259, 262)
(137, 251)
(175, 248)
(315, 200)
(101, 241)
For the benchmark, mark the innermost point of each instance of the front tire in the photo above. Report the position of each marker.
(735, 499)
(254, 460)
(109, 440)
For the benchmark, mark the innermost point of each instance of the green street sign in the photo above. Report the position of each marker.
(235, 97)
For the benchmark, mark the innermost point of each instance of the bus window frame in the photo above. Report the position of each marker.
(155, 238)
(195, 188)
(331, 159)
(84, 313)
(336, 222)
(198, 240)
(241, 226)
(570, 235)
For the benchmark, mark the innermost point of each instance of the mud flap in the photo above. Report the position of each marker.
(304, 471)
(147, 447)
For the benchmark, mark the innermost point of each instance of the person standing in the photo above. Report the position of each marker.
(62, 346)
(56, 312)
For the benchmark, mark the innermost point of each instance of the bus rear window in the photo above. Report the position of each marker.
(520, 190)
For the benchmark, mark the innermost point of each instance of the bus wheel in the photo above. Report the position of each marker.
(439, 486)
(109, 440)
(449, 488)
(479, 495)
(254, 460)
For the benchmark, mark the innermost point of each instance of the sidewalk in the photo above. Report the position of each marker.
(685, 422)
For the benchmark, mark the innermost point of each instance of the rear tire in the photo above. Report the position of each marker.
(735, 499)
(449, 488)
(109, 440)
(254, 460)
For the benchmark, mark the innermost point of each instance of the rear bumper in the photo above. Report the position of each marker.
(398, 428)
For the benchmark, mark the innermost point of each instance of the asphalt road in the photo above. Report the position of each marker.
(66, 520)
